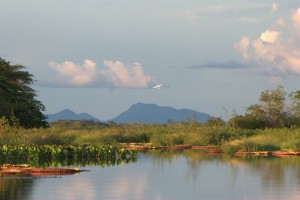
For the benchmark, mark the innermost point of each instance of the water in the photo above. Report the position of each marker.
(169, 175)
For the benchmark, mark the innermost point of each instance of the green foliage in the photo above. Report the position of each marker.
(265, 140)
(4, 123)
(272, 108)
(295, 108)
(37, 155)
(276, 109)
(246, 121)
(229, 138)
(17, 99)
(215, 122)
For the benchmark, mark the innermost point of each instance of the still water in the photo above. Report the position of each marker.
(169, 175)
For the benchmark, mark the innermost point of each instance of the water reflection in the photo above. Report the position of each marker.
(14, 188)
(275, 173)
(160, 175)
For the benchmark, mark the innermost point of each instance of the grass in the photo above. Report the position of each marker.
(184, 133)
(266, 140)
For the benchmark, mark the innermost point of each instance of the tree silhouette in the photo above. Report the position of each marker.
(17, 99)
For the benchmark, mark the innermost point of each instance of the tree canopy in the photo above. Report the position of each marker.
(18, 101)
(276, 109)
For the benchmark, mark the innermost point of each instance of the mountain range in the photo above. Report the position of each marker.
(67, 114)
(151, 113)
(139, 112)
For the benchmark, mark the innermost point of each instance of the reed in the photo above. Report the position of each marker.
(187, 133)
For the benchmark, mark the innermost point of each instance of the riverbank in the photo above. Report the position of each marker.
(229, 140)
(206, 149)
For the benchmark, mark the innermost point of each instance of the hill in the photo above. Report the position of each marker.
(69, 115)
(151, 113)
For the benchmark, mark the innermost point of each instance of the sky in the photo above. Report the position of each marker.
(102, 56)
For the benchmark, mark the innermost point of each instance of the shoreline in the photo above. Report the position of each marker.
(206, 149)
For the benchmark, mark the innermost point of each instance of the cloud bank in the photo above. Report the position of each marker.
(275, 52)
(115, 75)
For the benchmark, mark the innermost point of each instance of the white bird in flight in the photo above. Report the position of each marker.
(158, 86)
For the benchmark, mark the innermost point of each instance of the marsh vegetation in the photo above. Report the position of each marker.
(226, 137)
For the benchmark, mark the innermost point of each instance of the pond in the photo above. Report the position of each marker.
(157, 175)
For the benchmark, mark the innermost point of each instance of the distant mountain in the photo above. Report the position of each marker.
(151, 113)
(69, 115)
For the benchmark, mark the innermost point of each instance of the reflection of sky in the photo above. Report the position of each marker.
(148, 179)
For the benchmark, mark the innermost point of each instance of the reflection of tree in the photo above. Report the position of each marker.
(15, 188)
(272, 170)
(159, 157)
(196, 158)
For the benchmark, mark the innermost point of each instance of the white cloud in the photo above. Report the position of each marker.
(76, 75)
(273, 54)
(274, 7)
(125, 76)
(243, 45)
(270, 36)
(116, 74)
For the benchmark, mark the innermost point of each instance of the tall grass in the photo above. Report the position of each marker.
(188, 133)
(266, 140)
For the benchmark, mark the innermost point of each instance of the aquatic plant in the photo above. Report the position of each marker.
(49, 155)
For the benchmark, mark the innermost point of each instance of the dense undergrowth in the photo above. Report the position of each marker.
(185, 133)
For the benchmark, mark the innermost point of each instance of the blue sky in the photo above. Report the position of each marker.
(102, 56)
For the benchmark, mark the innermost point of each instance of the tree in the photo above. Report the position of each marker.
(246, 121)
(276, 109)
(272, 108)
(295, 108)
(17, 99)
(215, 122)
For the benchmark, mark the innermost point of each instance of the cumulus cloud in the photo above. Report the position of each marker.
(75, 74)
(125, 76)
(273, 53)
(115, 74)
(270, 36)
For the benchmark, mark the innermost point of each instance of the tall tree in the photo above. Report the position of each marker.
(17, 99)
(295, 107)
(272, 108)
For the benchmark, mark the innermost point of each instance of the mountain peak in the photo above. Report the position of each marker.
(152, 113)
(66, 111)
(68, 114)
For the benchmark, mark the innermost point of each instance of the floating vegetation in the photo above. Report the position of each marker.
(65, 155)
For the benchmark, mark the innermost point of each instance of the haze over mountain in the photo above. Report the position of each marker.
(69, 115)
(151, 113)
